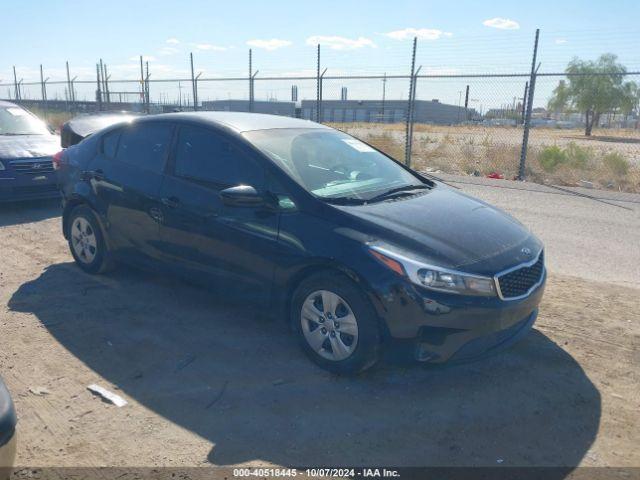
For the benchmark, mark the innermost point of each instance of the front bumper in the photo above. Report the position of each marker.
(438, 327)
(11, 191)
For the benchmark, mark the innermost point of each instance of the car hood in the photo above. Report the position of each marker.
(450, 229)
(28, 146)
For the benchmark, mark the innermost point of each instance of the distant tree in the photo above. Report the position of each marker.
(594, 87)
(629, 100)
(560, 98)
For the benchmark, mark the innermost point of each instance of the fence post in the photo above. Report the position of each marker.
(146, 88)
(318, 87)
(384, 97)
(524, 102)
(409, 126)
(98, 90)
(142, 86)
(527, 117)
(106, 83)
(102, 81)
(15, 84)
(250, 80)
(69, 88)
(193, 85)
(43, 86)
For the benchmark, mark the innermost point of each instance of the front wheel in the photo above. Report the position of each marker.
(86, 242)
(336, 324)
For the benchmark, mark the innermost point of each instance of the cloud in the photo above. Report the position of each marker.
(168, 51)
(145, 58)
(560, 41)
(501, 23)
(272, 44)
(208, 46)
(173, 41)
(421, 33)
(340, 43)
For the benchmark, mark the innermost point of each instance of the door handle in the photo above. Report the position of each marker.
(171, 202)
(93, 175)
(156, 214)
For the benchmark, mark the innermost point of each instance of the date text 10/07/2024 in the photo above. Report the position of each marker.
(317, 472)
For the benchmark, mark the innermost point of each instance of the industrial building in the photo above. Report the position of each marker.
(390, 111)
(287, 109)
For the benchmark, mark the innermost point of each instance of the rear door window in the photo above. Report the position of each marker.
(145, 145)
(207, 157)
(110, 144)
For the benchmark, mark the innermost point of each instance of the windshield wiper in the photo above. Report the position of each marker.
(404, 188)
(344, 200)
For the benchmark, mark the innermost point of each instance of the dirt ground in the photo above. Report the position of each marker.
(215, 383)
(482, 150)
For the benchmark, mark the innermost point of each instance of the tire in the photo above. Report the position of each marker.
(344, 337)
(86, 241)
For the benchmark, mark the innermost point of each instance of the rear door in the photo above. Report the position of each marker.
(235, 246)
(126, 177)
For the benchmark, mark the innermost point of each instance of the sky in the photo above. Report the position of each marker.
(361, 38)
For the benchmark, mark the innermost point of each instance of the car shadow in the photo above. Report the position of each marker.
(16, 213)
(228, 374)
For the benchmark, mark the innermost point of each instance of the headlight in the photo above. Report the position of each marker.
(434, 277)
(1, 166)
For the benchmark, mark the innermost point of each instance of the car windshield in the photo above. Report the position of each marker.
(17, 121)
(331, 164)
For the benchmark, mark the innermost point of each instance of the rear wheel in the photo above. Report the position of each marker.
(336, 325)
(86, 241)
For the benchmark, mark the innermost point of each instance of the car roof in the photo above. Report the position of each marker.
(238, 121)
(86, 124)
(4, 103)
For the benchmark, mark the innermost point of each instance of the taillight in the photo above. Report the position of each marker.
(58, 160)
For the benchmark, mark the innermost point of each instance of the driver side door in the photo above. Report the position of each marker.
(234, 246)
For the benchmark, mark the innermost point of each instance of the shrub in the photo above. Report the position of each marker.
(551, 157)
(617, 163)
(578, 156)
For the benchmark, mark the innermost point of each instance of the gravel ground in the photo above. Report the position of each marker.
(213, 383)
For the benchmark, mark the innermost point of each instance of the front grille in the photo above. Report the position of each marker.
(33, 167)
(518, 282)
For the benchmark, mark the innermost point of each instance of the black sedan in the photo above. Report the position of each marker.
(7, 432)
(26, 150)
(355, 250)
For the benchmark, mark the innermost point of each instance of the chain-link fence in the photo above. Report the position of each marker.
(579, 127)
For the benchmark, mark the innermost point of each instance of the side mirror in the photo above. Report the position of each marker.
(241, 196)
